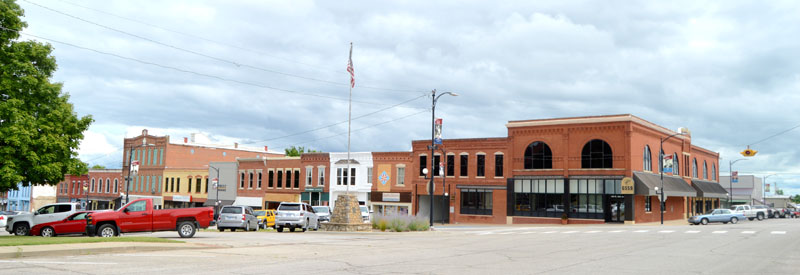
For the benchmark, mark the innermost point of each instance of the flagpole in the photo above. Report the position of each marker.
(349, 119)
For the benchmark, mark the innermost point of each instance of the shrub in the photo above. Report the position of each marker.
(399, 223)
(382, 224)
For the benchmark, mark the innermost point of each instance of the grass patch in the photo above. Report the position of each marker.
(36, 240)
(399, 223)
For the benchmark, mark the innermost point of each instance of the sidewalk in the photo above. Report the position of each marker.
(24, 251)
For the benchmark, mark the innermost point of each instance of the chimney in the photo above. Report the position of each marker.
(235, 145)
(266, 148)
(185, 140)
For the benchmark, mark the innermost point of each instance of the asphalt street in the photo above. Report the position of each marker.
(749, 247)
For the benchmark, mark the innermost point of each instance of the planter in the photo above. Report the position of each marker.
(564, 222)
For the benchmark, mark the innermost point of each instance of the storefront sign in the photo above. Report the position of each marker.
(391, 196)
(182, 198)
(627, 186)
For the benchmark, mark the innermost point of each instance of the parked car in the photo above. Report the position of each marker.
(786, 213)
(749, 213)
(237, 217)
(296, 215)
(139, 216)
(766, 209)
(365, 213)
(74, 224)
(21, 224)
(4, 216)
(266, 218)
(717, 215)
(323, 213)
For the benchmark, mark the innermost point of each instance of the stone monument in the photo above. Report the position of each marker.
(346, 216)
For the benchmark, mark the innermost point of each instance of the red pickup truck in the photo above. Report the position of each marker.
(139, 216)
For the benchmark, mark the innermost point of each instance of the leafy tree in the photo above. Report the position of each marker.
(297, 151)
(796, 199)
(98, 167)
(39, 131)
(778, 192)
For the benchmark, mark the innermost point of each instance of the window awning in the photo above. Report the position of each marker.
(249, 201)
(709, 189)
(646, 184)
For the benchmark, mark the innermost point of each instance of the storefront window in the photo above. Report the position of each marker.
(586, 196)
(539, 197)
(476, 201)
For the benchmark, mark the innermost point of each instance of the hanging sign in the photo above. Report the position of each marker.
(735, 176)
(627, 186)
(437, 132)
(667, 164)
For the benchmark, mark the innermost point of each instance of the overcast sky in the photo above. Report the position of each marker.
(254, 72)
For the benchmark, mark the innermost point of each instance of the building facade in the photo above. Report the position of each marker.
(748, 190)
(392, 188)
(20, 199)
(357, 181)
(569, 167)
(315, 173)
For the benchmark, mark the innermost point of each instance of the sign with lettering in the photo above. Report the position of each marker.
(627, 186)
(391, 196)
(182, 198)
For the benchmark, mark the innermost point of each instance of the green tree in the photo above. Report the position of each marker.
(297, 151)
(796, 199)
(98, 167)
(778, 192)
(39, 131)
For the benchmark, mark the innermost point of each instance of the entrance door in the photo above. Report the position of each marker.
(616, 209)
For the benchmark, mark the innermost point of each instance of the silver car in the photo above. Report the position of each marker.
(323, 213)
(296, 215)
(237, 217)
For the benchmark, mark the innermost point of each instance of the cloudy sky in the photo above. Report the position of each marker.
(266, 72)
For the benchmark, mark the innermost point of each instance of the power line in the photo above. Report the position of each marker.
(775, 135)
(356, 130)
(237, 64)
(341, 122)
(192, 72)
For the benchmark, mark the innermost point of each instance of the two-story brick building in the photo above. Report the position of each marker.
(549, 168)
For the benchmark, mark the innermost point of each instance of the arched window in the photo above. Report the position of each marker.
(91, 187)
(676, 167)
(538, 156)
(116, 186)
(108, 185)
(713, 171)
(705, 170)
(596, 154)
(647, 160)
(694, 168)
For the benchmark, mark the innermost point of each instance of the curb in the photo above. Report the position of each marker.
(28, 251)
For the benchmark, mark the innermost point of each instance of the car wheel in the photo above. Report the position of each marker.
(734, 220)
(279, 228)
(221, 229)
(186, 229)
(760, 216)
(316, 228)
(704, 221)
(107, 231)
(21, 229)
(233, 229)
(751, 219)
(247, 227)
(291, 229)
(48, 232)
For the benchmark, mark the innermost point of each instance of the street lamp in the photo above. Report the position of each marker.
(130, 167)
(433, 146)
(730, 181)
(681, 131)
(216, 186)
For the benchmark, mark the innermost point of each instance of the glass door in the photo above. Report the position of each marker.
(616, 209)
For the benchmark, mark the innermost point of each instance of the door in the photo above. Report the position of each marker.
(45, 214)
(616, 209)
(135, 218)
(73, 225)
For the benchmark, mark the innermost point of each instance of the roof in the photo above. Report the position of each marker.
(709, 189)
(590, 119)
(646, 184)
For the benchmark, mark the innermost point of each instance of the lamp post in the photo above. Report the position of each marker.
(764, 189)
(130, 167)
(681, 131)
(730, 181)
(86, 190)
(443, 172)
(434, 98)
(216, 186)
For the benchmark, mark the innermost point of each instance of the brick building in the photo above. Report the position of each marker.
(391, 183)
(316, 187)
(548, 168)
(157, 155)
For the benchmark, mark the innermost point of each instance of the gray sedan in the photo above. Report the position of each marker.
(237, 217)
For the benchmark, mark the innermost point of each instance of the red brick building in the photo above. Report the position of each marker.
(315, 173)
(392, 183)
(71, 188)
(549, 168)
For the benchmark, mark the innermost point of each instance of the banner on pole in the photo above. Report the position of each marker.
(735, 176)
(437, 133)
(667, 164)
(767, 190)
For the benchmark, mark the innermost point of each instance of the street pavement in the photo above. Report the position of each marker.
(749, 247)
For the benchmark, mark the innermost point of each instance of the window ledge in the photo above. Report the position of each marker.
(479, 215)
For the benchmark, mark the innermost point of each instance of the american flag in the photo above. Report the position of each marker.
(350, 68)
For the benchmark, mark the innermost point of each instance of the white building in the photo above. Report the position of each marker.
(360, 184)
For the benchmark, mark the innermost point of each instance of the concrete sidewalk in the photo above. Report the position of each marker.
(25, 251)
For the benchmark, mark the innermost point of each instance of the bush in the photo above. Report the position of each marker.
(399, 223)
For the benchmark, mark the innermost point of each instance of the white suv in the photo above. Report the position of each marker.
(296, 215)
(21, 224)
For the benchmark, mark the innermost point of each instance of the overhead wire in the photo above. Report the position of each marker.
(775, 135)
(220, 59)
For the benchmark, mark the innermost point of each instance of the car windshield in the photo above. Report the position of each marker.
(289, 207)
(321, 209)
(364, 209)
(261, 213)
(231, 210)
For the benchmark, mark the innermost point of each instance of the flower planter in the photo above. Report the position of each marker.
(564, 222)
